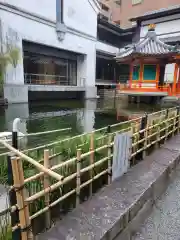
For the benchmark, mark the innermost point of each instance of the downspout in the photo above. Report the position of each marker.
(60, 26)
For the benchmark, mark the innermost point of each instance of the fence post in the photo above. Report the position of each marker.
(78, 177)
(46, 185)
(174, 122)
(109, 154)
(16, 235)
(91, 162)
(178, 119)
(167, 124)
(143, 135)
(24, 218)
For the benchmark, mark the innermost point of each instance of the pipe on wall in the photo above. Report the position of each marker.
(59, 11)
(60, 26)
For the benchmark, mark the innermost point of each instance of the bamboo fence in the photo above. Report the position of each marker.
(74, 174)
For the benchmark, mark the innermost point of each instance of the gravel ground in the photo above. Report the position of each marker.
(164, 221)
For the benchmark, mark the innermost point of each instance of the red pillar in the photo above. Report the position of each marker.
(175, 79)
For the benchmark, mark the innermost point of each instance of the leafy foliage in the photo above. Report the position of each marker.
(11, 56)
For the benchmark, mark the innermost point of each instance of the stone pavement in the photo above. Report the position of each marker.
(164, 221)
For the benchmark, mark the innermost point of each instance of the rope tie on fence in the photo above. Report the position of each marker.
(18, 188)
(26, 229)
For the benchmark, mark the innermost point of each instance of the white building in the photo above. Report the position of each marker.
(62, 30)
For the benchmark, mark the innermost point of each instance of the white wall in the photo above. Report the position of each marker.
(103, 47)
(169, 28)
(45, 32)
(78, 14)
(44, 8)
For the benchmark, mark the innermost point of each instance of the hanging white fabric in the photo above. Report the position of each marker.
(121, 154)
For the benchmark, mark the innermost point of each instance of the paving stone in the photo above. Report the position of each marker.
(164, 221)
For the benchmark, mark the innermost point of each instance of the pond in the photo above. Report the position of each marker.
(78, 115)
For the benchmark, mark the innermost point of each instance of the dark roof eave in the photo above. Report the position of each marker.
(116, 28)
(155, 15)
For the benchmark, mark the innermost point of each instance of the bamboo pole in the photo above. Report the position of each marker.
(157, 136)
(78, 136)
(78, 177)
(75, 137)
(24, 217)
(47, 132)
(178, 120)
(67, 195)
(91, 162)
(174, 122)
(32, 161)
(167, 124)
(145, 141)
(46, 185)
(109, 159)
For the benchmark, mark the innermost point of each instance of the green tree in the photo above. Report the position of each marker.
(10, 57)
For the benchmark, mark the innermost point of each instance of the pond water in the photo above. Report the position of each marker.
(79, 116)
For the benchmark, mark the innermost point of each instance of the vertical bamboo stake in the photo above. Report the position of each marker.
(178, 118)
(174, 122)
(145, 136)
(145, 142)
(91, 162)
(157, 136)
(24, 217)
(46, 185)
(167, 124)
(109, 156)
(132, 150)
(78, 177)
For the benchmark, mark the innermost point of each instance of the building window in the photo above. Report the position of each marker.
(49, 70)
(149, 72)
(134, 2)
(136, 73)
(118, 2)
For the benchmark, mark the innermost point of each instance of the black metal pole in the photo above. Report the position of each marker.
(16, 235)
(15, 140)
(142, 135)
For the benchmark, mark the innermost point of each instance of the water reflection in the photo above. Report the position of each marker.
(80, 116)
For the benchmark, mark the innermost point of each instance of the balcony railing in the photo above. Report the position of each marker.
(44, 79)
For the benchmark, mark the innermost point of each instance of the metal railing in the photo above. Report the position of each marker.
(81, 161)
(45, 79)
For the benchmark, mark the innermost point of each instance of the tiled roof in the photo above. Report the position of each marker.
(150, 45)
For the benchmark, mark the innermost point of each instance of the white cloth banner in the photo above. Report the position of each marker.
(121, 154)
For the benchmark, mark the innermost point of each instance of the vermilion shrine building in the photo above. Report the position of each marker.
(148, 59)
